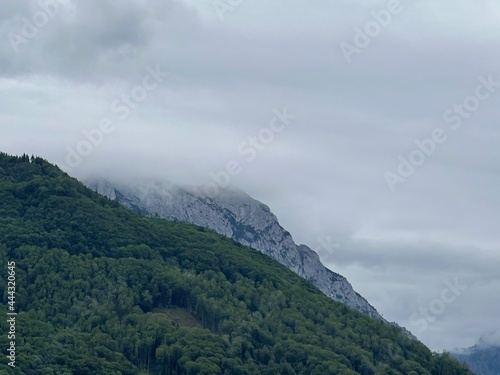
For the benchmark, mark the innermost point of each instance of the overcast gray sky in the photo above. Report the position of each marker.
(389, 167)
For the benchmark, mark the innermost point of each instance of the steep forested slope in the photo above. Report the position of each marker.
(101, 290)
(236, 215)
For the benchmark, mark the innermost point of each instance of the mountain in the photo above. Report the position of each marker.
(236, 215)
(484, 357)
(483, 361)
(102, 290)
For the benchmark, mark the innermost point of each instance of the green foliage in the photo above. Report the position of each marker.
(101, 290)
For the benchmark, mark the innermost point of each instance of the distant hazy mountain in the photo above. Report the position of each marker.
(484, 357)
(234, 214)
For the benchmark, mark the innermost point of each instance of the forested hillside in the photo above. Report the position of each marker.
(101, 290)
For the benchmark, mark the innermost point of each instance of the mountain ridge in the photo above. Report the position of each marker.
(103, 290)
(484, 357)
(237, 215)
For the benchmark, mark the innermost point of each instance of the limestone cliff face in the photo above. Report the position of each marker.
(234, 214)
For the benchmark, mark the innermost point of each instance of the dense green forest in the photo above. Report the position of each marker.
(101, 290)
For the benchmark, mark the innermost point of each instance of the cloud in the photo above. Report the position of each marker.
(489, 339)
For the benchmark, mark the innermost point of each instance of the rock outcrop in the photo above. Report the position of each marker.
(235, 214)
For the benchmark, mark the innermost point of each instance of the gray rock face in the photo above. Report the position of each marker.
(235, 214)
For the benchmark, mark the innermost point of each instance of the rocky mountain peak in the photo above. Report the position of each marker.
(234, 214)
